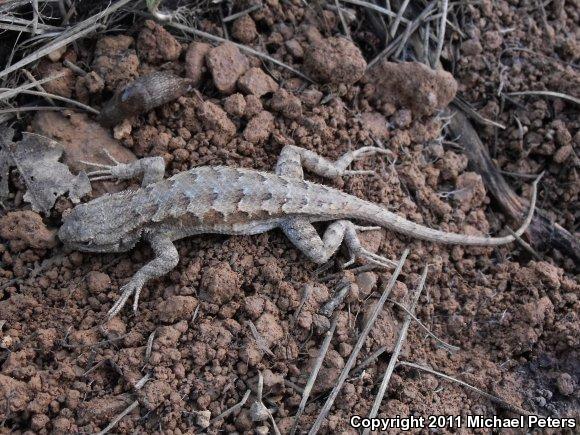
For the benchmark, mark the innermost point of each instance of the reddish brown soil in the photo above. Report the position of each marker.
(63, 370)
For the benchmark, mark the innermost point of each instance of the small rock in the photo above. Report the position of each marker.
(565, 384)
(469, 191)
(156, 45)
(25, 228)
(259, 127)
(335, 60)
(376, 124)
(493, 39)
(216, 119)
(294, 48)
(94, 82)
(176, 308)
(270, 329)
(289, 105)
(366, 282)
(115, 61)
(62, 86)
(14, 394)
(98, 282)
(311, 97)
(203, 418)
(115, 327)
(235, 105)
(244, 29)
(563, 154)
(471, 47)
(411, 85)
(257, 82)
(253, 106)
(154, 393)
(195, 61)
(56, 55)
(226, 64)
(219, 284)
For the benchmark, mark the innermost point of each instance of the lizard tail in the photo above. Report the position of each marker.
(384, 218)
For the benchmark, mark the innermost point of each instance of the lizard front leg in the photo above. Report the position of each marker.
(166, 258)
(304, 236)
(293, 159)
(151, 168)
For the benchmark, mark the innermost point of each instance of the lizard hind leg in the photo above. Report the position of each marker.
(305, 237)
(293, 159)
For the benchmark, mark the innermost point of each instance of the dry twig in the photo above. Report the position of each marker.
(398, 346)
(361, 339)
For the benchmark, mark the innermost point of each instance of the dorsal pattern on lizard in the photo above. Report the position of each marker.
(236, 201)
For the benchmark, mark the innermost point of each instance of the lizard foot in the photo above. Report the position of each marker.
(370, 257)
(357, 251)
(107, 172)
(132, 287)
(360, 153)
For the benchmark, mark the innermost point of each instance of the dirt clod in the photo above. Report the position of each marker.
(411, 85)
(259, 127)
(25, 228)
(195, 61)
(257, 82)
(226, 64)
(219, 283)
(176, 308)
(155, 44)
(335, 60)
(244, 29)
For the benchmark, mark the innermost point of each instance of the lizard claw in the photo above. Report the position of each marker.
(132, 287)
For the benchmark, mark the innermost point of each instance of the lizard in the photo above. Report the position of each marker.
(237, 201)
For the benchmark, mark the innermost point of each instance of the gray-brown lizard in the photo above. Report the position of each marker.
(225, 200)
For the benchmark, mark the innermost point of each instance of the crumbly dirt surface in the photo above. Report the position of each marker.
(238, 306)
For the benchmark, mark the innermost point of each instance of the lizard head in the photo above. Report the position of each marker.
(105, 224)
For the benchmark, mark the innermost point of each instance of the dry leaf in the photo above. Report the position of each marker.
(36, 157)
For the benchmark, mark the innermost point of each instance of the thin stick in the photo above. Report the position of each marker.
(314, 374)
(397, 350)
(359, 344)
(260, 341)
(242, 13)
(448, 346)
(119, 417)
(548, 94)
(59, 98)
(37, 85)
(399, 18)
(48, 48)
(77, 69)
(524, 244)
(342, 20)
(233, 408)
(375, 8)
(395, 42)
(80, 30)
(13, 92)
(249, 50)
(441, 35)
(32, 109)
(494, 399)
(474, 114)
